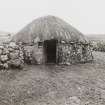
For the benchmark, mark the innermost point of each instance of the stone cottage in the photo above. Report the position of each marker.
(52, 40)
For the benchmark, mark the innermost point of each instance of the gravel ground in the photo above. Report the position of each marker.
(81, 84)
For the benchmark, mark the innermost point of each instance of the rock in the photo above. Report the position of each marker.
(13, 55)
(4, 57)
(5, 65)
(73, 101)
(16, 63)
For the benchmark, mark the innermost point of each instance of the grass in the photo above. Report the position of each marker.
(54, 85)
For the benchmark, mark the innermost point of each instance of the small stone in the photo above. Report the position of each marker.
(73, 101)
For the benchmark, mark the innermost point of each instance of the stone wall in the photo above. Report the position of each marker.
(33, 54)
(38, 54)
(74, 53)
(67, 53)
(11, 55)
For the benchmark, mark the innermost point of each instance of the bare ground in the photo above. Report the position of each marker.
(81, 84)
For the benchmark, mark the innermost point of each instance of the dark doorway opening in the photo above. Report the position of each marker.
(50, 50)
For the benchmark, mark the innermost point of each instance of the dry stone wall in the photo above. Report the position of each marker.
(11, 55)
(74, 53)
(33, 54)
(67, 53)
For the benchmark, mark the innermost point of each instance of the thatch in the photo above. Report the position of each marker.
(49, 27)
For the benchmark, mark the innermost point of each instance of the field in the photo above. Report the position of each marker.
(96, 37)
(81, 84)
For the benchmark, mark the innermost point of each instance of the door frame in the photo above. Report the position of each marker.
(45, 54)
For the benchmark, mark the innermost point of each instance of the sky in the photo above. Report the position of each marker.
(88, 16)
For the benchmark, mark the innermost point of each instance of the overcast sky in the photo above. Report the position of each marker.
(88, 16)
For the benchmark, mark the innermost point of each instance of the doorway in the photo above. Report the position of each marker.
(50, 51)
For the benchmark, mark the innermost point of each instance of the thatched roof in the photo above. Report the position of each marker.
(46, 28)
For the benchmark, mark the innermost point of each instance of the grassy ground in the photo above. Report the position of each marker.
(82, 84)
